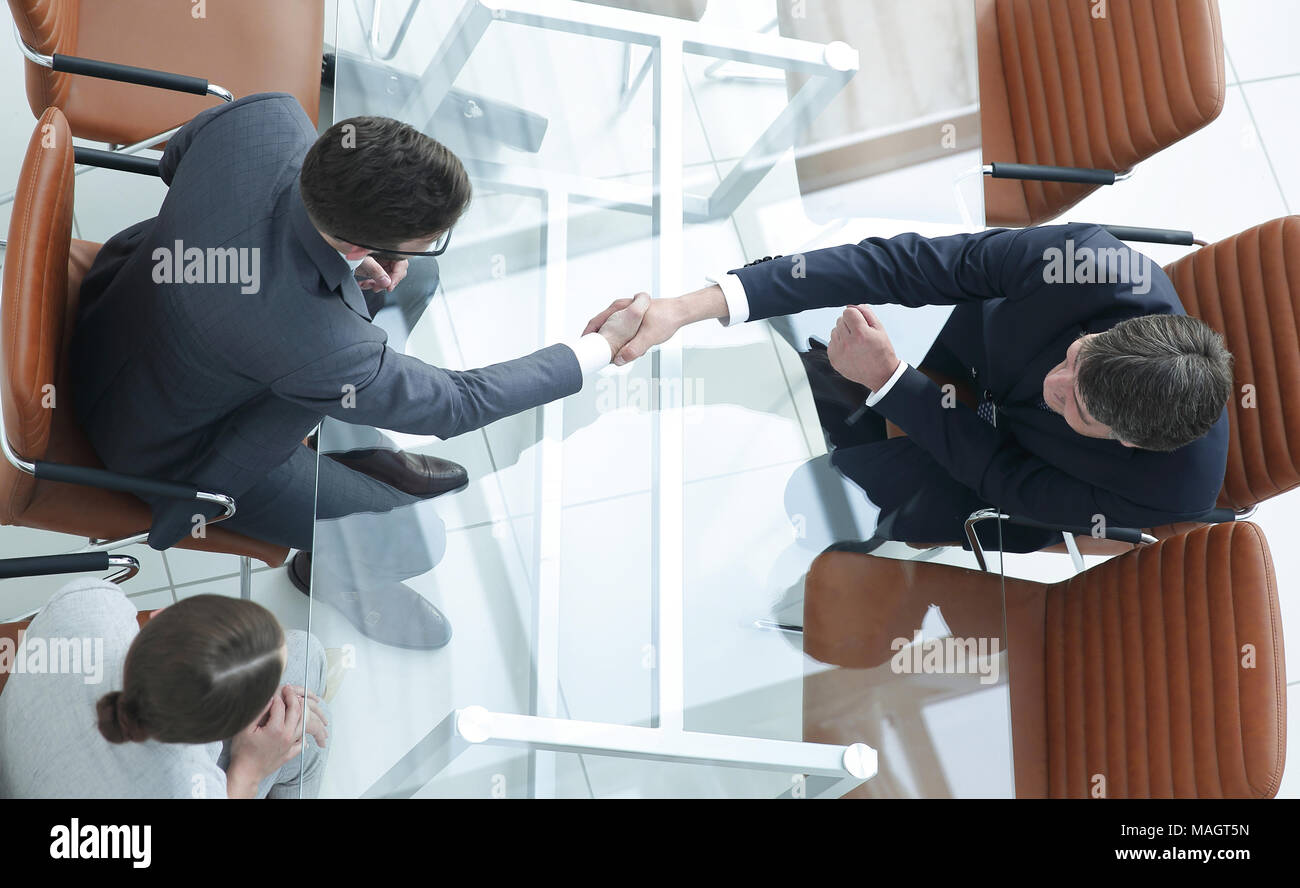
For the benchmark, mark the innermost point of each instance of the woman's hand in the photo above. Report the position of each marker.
(263, 747)
(317, 723)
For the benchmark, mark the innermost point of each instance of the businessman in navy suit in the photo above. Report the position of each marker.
(1097, 399)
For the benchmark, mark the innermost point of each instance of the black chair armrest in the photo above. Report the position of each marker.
(1152, 235)
(68, 64)
(1041, 173)
(114, 160)
(106, 480)
(1108, 532)
(76, 562)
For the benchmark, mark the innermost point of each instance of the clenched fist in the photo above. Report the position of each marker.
(860, 349)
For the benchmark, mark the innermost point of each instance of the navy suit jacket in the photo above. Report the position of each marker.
(1032, 463)
(204, 383)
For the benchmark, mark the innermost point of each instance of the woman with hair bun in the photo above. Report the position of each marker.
(211, 698)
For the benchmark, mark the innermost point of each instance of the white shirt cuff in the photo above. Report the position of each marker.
(874, 397)
(592, 352)
(737, 303)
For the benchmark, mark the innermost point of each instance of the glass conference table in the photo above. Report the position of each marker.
(625, 573)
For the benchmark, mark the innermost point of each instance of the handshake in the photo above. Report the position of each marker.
(633, 326)
(860, 349)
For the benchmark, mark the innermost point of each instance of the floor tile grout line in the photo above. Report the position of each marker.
(1268, 159)
(214, 579)
(1266, 79)
(172, 586)
(144, 592)
(171, 583)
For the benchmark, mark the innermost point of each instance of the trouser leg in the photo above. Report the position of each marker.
(920, 502)
(360, 530)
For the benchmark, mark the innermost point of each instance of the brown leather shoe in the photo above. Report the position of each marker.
(413, 473)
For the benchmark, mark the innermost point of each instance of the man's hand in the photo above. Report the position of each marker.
(372, 274)
(661, 319)
(860, 349)
(620, 322)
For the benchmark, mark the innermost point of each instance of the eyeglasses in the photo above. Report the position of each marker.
(439, 247)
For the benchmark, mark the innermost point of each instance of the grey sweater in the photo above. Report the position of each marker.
(50, 746)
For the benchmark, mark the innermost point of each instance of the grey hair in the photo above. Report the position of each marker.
(1159, 381)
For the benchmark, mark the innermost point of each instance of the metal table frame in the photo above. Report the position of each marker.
(828, 770)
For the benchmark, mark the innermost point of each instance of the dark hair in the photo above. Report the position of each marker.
(200, 671)
(1159, 381)
(382, 181)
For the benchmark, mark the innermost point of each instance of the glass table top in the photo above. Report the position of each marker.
(625, 574)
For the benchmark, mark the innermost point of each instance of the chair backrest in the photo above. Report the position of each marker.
(1248, 288)
(246, 46)
(34, 312)
(47, 26)
(1061, 87)
(1157, 673)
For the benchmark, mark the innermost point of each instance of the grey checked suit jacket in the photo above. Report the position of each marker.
(205, 384)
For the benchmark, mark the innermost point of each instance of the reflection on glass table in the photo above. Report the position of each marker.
(612, 565)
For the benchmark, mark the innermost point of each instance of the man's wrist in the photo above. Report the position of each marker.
(881, 379)
(609, 340)
(593, 351)
(878, 394)
(700, 305)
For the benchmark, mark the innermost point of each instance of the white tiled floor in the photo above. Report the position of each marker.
(1272, 105)
(749, 428)
(1260, 37)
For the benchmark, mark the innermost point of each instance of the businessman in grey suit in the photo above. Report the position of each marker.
(214, 337)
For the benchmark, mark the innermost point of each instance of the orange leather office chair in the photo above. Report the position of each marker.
(246, 46)
(50, 478)
(1069, 102)
(1130, 680)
